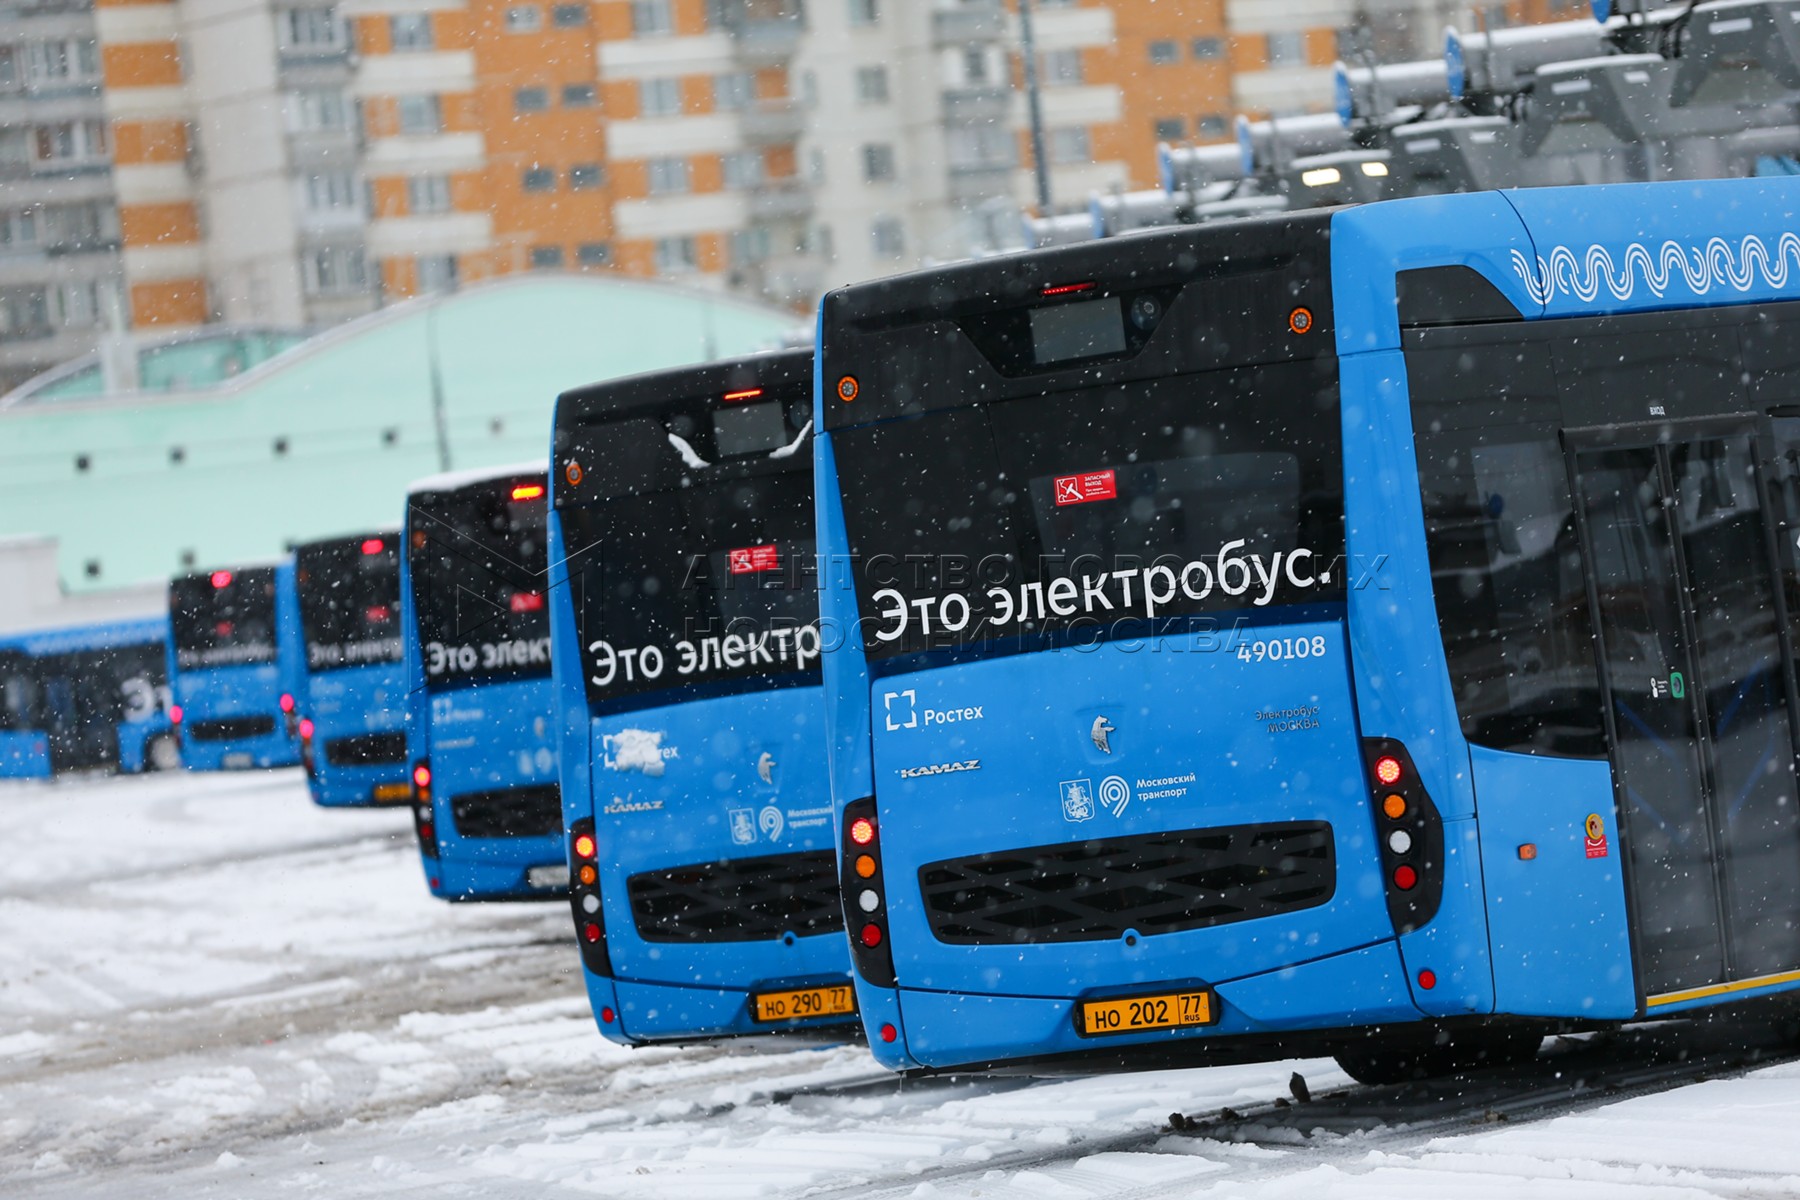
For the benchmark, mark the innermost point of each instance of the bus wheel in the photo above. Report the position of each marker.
(1403, 1060)
(163, 753)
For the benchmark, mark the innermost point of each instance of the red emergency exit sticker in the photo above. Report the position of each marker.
(754, 558)
(1596, 836)
(1090, 485)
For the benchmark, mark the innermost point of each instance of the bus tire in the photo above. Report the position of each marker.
(1381, 1061)
(163, 753)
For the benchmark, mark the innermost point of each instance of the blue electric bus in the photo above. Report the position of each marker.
(235, 666)
(85, 698)
(486, 806)
(684, 617)
(1367, 631)
(352, 700)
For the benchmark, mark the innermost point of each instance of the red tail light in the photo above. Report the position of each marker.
(584, 846)
(1388, 770)
(524, 602)
(590, 932)
(306, 728)
(421, 776)
(374, 546)
(744, 394)
(287, 702)
(871, 936)
(862, 831)
(221, 579)
(175, 713)
(528, 491)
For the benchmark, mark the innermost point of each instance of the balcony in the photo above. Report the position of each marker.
(968, 23)
(780, 200)
(976, 105)
(767, 32)
(773, 121)
(980, 181)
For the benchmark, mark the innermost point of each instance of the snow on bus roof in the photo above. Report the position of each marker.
(449, 481)
(98, 635)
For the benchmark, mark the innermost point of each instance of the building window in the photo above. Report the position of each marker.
(734, 91)
(975, 65)
(1062, 68)
(982, 147)
(676, 255)
(428, 193)
(594, 254)
(524, 18)
(334, 270)
(569, 16)
(24, 313)
(1071, 146)
(878, 163)
(19, 227)
(1213, 125)
(546, 258)
(311, 29)
(331, 191)
(651, 18)
(9, 68)
(749, 246)
(668, 175)
(872, 85)
(531, 99)
(585, 177)
(1287, 49)
(420, 114)
(578, 95)
(1170, 129)
(318, 110)
(1207, 48)
(71, 141)
(743, 169)
(410, 31)
(435, 272)
(539, 179)
(659, 97)
(62, 61)
(1164, 51)
(864, 12)
(815, 167)
(887, 237)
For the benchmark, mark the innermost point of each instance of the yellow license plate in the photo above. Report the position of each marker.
(1134, 1014)
(798, 1005)
(393, 793)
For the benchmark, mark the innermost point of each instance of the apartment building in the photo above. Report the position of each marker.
(293, 163)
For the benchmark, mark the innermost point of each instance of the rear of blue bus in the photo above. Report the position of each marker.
(1102, 794)
(24, 746)
(89, 697)
(705, 895)
(235, 667)
(480, 738)
(353, 700)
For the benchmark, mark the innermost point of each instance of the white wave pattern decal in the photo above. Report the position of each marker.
(1583, 275)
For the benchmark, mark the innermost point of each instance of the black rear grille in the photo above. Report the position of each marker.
(1151, 883)
(739, 900)
(366, 749)
(225, 729)
(508, 812)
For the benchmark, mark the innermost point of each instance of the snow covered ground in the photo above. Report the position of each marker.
(210, 988)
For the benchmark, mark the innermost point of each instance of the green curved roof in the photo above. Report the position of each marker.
(186, 362)
(323, 438)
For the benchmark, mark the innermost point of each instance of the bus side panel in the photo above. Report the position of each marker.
(1561, 942)
(290, 641)
(846, 676)
(24, 755)
(1401, 678)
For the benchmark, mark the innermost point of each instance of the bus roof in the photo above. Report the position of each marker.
(100, 635)
(344, 538)
(250, 564)
(450, 481)
(714, 380)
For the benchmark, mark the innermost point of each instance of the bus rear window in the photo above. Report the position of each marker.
(226, 618)
(1093, 512)
(480, 580)
(713, 583)
(349, 601)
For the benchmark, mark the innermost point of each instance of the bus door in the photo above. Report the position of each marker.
(81, 713)
(1699, 706)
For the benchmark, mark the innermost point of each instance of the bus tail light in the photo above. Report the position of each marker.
(1409, 833)
(290, 715)
(584, 897)
(424, 822)
(865, 895)
(307, 757)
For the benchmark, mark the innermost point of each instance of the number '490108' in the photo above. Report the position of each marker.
(1277, 649)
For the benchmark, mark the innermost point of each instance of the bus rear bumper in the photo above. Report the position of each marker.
(459, 879)
(242, 754)
(24, 755)
(1354, 989)
(662, 1012)
(356, 787)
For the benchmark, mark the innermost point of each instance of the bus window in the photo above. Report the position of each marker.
(349, 601)
(223, 619)
(1165, 498)
(1505, 562)
(480, 573)
(18, 692)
